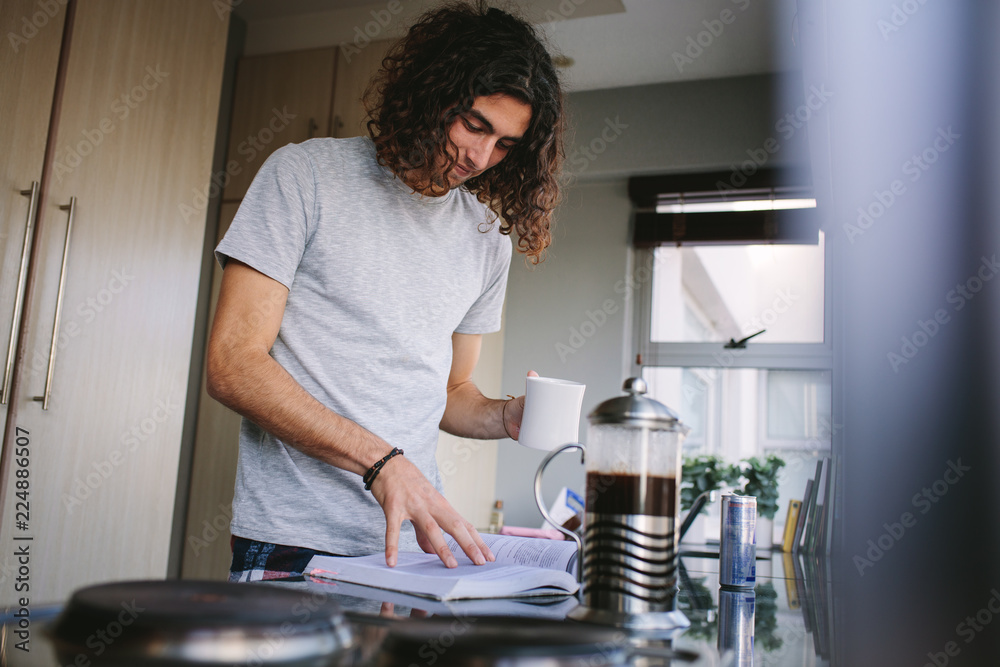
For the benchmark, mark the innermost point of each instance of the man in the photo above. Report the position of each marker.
(360, 275)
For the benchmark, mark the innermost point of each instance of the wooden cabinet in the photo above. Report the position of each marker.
(132, 145)
(354, 71)
(279, 99)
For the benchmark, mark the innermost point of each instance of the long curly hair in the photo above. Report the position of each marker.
(448, 58)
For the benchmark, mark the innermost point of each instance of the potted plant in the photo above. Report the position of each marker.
(705, 472)
(701, 474)
(761, 477)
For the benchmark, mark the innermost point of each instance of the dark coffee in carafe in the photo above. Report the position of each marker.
(629, 552)
(609, 493)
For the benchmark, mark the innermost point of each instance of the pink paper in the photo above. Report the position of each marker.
(546, 533)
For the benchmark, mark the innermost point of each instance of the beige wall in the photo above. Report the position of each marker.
(468, 467)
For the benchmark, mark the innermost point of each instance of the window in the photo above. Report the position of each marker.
(714, 293)
(695, 302)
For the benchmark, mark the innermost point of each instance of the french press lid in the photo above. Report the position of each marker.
(634, 409)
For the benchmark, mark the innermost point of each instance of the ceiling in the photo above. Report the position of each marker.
(612, 43)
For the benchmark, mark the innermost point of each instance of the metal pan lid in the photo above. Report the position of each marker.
(199, 622)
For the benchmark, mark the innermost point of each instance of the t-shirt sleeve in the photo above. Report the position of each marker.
(485, 314)
(274, 222)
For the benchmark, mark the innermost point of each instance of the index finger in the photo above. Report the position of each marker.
(471, 542)
(391, 539)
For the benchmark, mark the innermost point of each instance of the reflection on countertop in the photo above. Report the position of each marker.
(791, 611)
(787, 619)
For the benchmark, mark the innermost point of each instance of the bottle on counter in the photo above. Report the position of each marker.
(496, 517)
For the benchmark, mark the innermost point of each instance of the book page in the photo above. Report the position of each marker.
(531, 551)
(425, 575)
(404, 603)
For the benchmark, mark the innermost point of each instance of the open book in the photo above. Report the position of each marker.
(524, 567)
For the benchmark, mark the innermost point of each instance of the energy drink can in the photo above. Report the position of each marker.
(737, 549)
(736, 617)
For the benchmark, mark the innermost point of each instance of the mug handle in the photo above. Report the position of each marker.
(540, 502)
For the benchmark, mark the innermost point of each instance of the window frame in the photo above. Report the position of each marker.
(764, 356)
(816, 443)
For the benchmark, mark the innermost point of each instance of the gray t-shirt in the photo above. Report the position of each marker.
(379, 278)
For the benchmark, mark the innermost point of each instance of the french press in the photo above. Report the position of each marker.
(628, 555)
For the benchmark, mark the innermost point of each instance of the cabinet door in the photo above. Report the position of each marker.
(27, 83)
(134, 147)
(280, 98)
(354, 71)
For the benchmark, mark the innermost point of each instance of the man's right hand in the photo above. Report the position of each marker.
(405, 494)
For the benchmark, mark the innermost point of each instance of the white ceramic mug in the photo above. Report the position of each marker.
(551, 413)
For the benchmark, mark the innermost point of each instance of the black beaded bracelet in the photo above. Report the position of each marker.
(369, 477)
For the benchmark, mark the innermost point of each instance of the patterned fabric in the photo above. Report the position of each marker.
(261, 561)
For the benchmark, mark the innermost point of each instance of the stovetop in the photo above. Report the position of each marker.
(787, 624)
(389, 641)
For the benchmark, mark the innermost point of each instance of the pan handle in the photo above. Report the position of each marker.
(540, 502)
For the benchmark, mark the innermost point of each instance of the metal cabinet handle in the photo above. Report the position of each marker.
(71, 207)
(22, 274)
